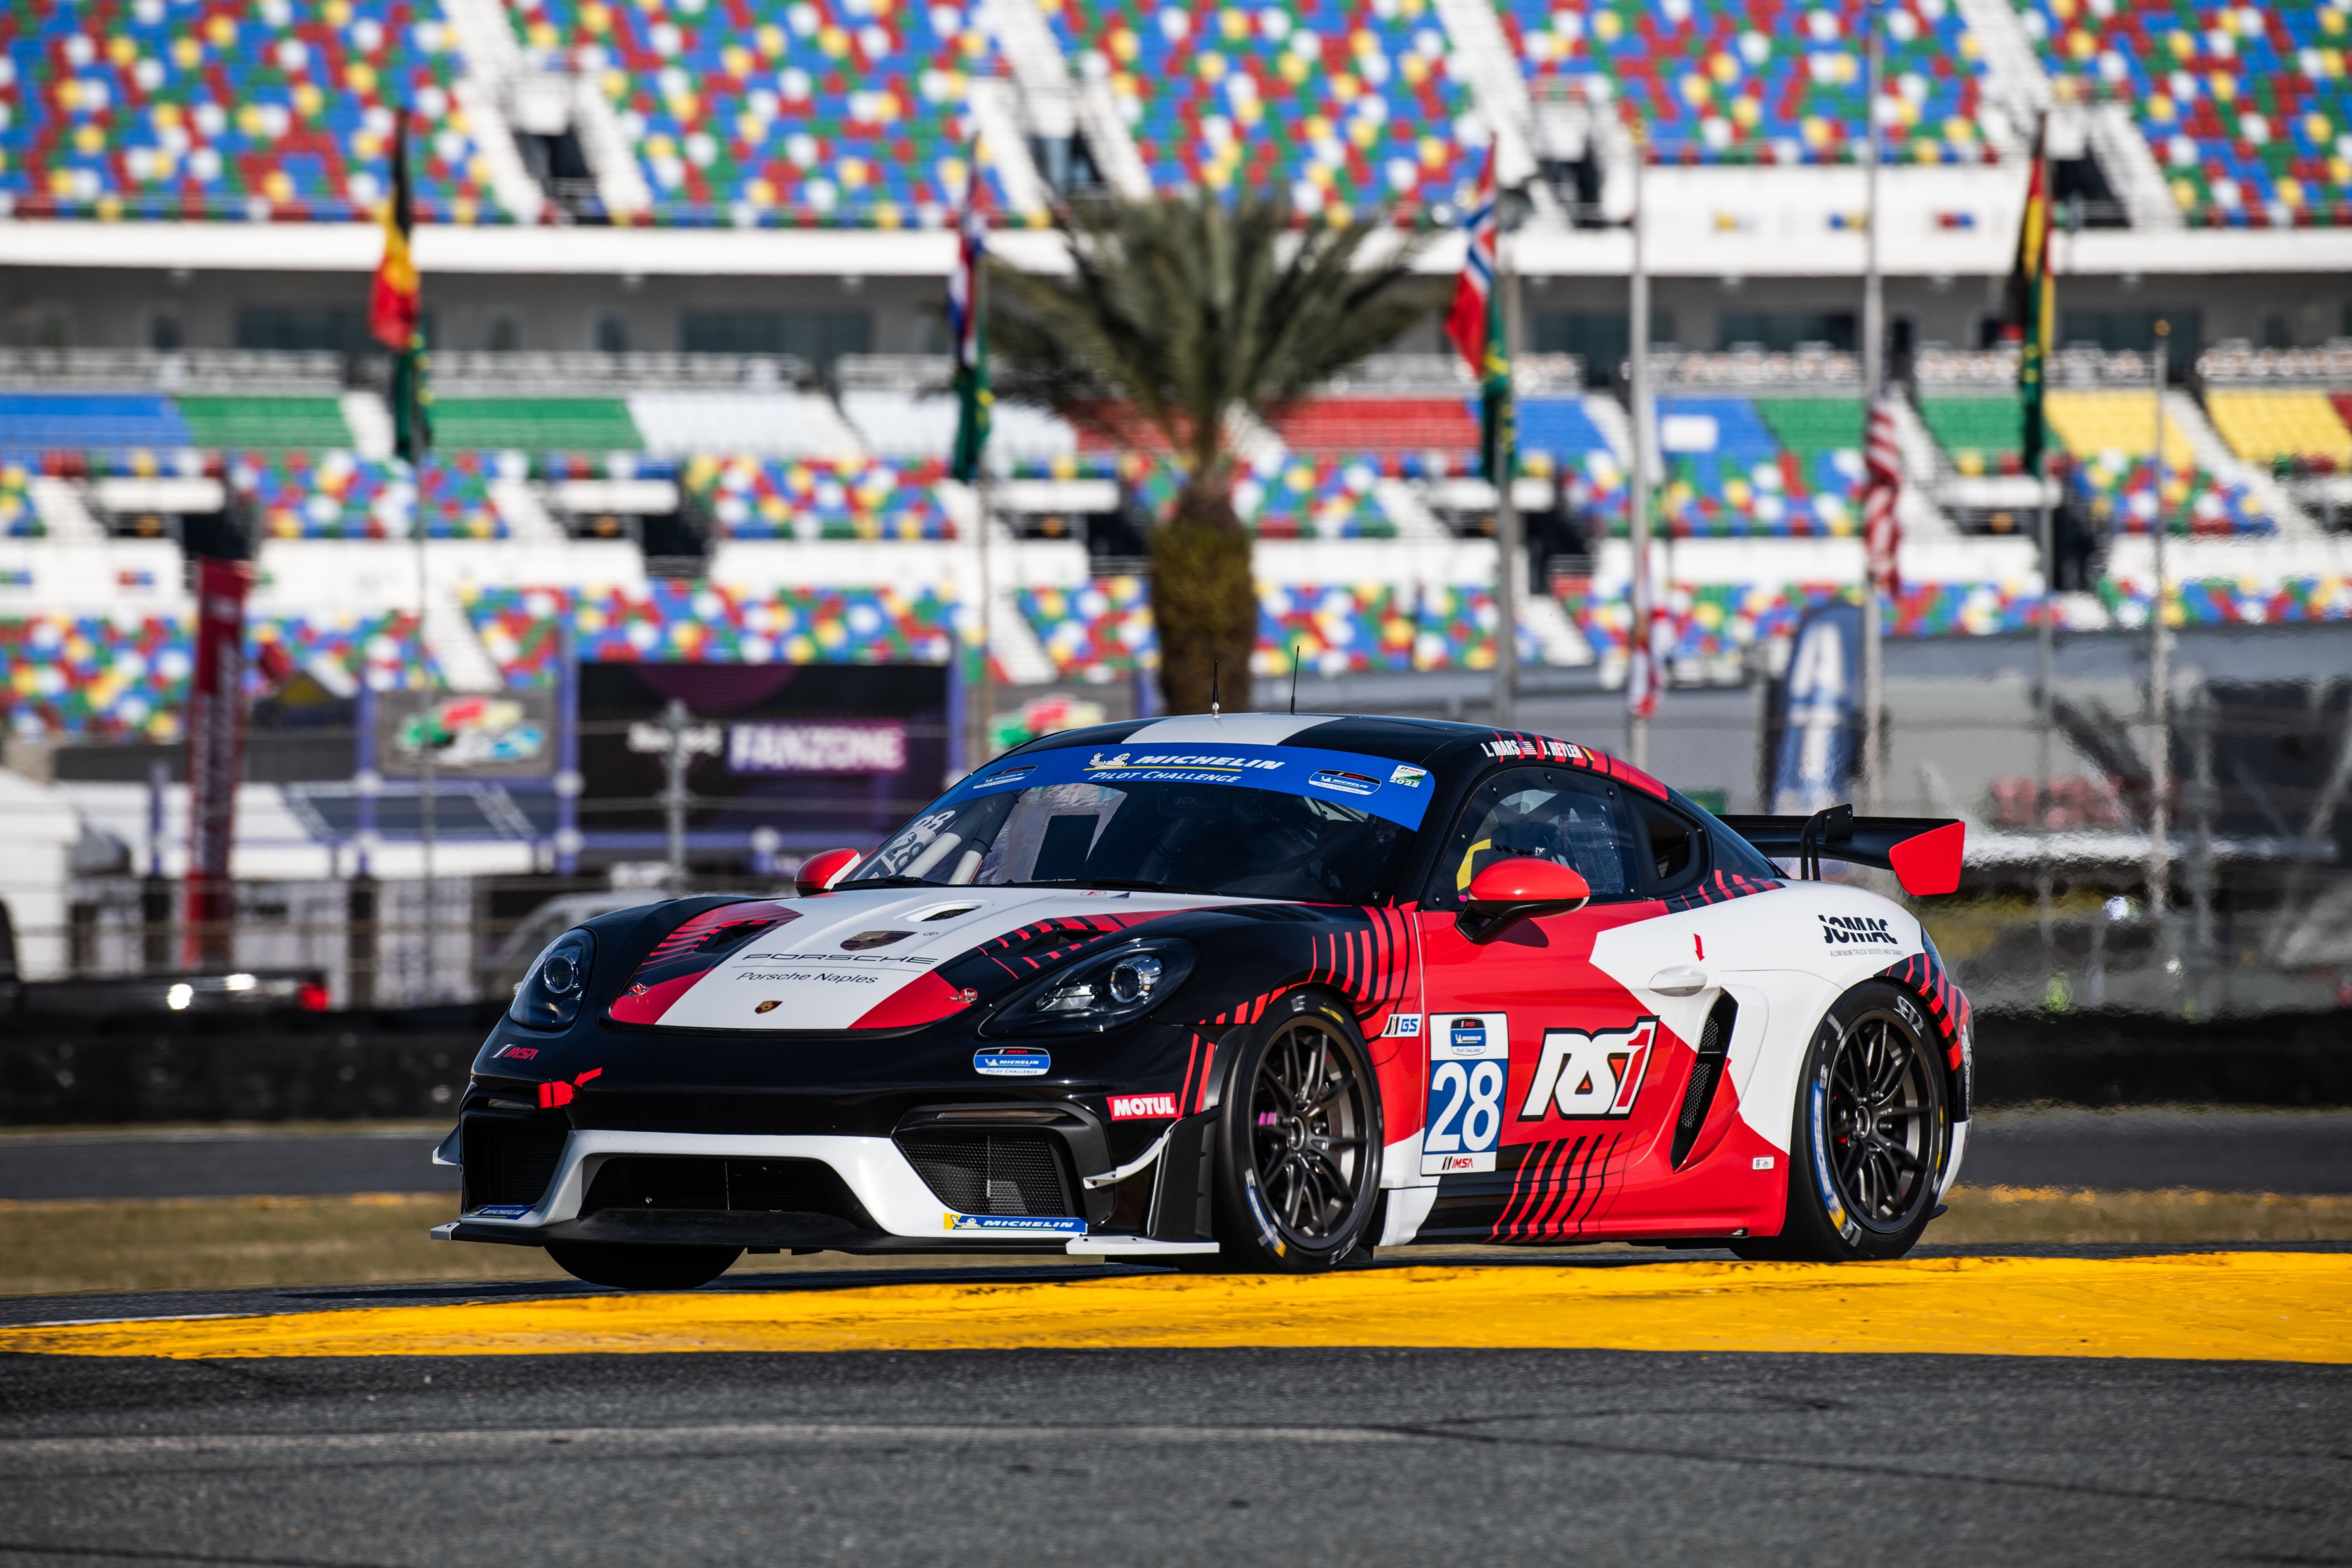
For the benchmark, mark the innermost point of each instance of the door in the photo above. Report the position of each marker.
(1537, 1059)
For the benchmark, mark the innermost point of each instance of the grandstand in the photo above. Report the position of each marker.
(683, 266)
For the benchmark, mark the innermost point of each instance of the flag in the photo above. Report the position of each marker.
(2031, 303)
(1882, 487)
(1651, 643)
(394, 310)
(973, 399)
(1476, 324)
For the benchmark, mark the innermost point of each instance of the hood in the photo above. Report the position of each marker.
(858, 960)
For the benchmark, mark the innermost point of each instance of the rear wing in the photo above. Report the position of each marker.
(1924, 852)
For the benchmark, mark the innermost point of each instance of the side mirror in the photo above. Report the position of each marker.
(1509, 891)
(819, 872)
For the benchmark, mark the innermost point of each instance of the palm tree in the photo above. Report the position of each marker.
(1181, 312)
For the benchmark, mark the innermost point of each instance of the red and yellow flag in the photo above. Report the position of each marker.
(394, 303)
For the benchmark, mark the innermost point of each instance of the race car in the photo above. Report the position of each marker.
(1260, 992)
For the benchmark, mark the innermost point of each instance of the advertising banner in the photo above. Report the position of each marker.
(1818, 718)
(804, 756)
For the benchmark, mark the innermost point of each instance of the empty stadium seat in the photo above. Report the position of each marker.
(2245, 107)
(87, 421)
(1737, 474)
(201, 108)
(18, 519)
(241, 423)
(339, 495)
(910, 425)
(1980, 435)
(2110, 436)
(817, 498)
(534, 425)
(788, 113)
(2295, 427)
(1776, 81)
(1299, 496)
(1347, 105)
(698, 623)
(1380, 425)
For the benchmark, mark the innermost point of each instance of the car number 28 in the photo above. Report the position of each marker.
(1465, 1107)
(1468, 1067)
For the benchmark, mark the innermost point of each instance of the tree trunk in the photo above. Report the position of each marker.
(1203, 600)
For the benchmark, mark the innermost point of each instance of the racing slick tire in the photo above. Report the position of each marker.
(629, 1266)
(1870, 1131)
(1296, 1149)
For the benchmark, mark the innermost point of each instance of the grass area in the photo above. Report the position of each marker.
(2001, 1216)
(188, 1244)
(214, 1244)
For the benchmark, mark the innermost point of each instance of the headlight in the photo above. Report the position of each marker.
(1111, 988)
(550, 995)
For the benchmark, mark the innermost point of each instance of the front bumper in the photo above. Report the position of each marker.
(890, 1207)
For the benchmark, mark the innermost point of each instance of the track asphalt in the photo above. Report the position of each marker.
(250, 1440)
(1025, 1457)
(2209, 1151)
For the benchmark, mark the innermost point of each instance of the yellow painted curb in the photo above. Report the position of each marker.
(2254, 1306)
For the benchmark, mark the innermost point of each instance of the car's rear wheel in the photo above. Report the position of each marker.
(1298, 1143)
(1870, 1135)
(630, 1266)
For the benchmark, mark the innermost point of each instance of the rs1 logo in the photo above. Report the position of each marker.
(1590, 1075)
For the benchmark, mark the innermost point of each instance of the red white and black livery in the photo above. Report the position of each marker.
(1263, 991)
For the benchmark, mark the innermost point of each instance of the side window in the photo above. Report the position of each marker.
(1676, 848)
(1541, 814)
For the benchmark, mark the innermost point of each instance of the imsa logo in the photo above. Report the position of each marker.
(1587, 1076)
(1852, 931)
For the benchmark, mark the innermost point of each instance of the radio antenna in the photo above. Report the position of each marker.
(1212, 688)
(1294, 680)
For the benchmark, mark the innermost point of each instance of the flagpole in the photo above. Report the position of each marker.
(2045, 628)
(1637, 721)
(1507, 548)
(2160, 669)
(1873, 370)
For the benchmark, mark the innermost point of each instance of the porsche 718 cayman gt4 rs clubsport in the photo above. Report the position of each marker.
(1260, 992)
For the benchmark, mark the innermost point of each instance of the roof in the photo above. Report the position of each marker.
(1417, 740)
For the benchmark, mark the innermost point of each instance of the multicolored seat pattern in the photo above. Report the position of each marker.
(223, 109)
(820, 497)
(1774, 81)
(339, 495)
(784, 113)
(2247, 108)
(1347, 105)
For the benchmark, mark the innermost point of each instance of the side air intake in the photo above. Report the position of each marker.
(508, 1160)
(1707, 1073)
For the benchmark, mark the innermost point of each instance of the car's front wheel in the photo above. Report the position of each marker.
(1869, 1135)
(1298, 1143)
(627, 1265)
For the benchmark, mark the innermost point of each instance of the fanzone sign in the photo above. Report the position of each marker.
(808, 748)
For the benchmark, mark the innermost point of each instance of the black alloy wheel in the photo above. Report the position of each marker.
(1299, 1143)
(1869, 1135)
(639, 1266)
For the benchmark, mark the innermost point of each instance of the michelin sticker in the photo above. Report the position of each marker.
(1013, 1061)
(1013, 1224)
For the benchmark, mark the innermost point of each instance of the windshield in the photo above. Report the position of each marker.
(1261, 822)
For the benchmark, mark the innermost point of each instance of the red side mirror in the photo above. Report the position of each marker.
(819, 872)
(1509, 891)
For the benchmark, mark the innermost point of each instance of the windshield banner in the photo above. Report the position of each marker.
(1378, 786)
